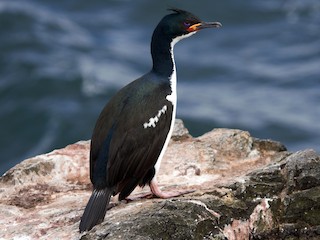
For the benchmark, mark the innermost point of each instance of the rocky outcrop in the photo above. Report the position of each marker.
(245, 188)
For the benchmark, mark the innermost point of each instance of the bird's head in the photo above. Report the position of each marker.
(181, 23)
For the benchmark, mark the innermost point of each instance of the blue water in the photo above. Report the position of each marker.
(60, 61)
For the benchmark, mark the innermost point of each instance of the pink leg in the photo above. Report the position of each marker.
(158, 193)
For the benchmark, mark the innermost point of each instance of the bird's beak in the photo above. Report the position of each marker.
(202, 25)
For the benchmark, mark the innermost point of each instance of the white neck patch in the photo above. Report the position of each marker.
(177, 39)
(172, 98)
(173, 78)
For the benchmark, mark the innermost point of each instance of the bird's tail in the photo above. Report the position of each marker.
(96, 209)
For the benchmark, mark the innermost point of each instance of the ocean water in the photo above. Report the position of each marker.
(60, 62)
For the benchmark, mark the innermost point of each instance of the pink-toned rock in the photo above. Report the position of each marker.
(44, 197)
(41, 197)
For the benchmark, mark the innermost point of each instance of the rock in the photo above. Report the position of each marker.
(292, 188)
(245, 188)
(179, 131)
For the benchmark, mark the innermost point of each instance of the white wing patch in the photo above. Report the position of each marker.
(153, 121)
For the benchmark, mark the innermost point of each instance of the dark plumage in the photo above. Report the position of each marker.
(134, 128)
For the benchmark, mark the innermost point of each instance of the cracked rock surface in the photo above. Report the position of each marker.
(245, 188)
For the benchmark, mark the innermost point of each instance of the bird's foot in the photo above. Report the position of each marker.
(161, 194)
(139, 196)
(169, 194)
(157, 193)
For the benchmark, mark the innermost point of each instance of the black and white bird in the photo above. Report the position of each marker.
(134, 128)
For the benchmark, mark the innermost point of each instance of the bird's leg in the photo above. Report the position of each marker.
(158, 193)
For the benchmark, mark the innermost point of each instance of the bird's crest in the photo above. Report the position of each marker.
(177, 10)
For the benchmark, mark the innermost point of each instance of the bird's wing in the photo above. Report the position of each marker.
(135, 150)
(127, 142)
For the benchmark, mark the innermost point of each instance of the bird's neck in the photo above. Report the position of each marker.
(163, 60)
(162, 56)
(162, 52)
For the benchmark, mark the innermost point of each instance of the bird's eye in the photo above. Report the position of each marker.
(187, 24)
